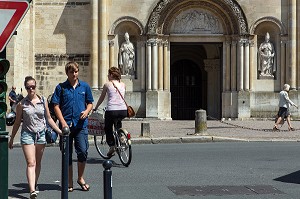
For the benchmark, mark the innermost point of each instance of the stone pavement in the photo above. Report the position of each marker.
(235, 130)
(183, 131)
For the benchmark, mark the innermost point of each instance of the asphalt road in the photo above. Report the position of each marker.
(235, 170)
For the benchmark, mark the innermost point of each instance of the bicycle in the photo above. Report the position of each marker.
(122, 145)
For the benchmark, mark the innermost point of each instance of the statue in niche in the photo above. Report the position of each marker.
(266, 61)
(126, 56)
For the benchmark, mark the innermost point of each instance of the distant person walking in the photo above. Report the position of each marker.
(12, 96)
(33, 112)
(284, 105)
(73, 100)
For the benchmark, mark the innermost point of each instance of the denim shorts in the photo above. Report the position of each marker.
(28, 137)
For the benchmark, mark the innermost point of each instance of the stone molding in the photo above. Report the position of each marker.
(274, 20)
(126, 19)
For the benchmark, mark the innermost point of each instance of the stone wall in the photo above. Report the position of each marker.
(50, 69)
(62, 34)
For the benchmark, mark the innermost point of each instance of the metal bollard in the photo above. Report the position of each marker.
(4, 164)
(65, 162)
(200, 122)
(107, 181)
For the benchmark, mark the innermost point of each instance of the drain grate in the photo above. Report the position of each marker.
(224, 190)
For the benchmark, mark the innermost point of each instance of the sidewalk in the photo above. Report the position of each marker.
(183, 131)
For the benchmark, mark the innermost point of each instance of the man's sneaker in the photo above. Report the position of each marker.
(111, 151)
(33, 195)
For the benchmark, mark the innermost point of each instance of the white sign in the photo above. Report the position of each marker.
(11, 14)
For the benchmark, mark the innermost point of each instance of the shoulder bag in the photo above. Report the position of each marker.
(50, 134)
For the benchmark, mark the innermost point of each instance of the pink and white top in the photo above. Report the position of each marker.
(115, 101)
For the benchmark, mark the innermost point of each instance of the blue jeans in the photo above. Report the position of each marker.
(81, 144)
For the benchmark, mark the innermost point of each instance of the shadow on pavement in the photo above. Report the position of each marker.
(100, 161)
(290, 178)
(22, 188)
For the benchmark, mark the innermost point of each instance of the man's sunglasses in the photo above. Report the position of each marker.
(30, 87)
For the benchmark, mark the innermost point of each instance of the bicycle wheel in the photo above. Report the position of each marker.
(124, 147)
(101, 145)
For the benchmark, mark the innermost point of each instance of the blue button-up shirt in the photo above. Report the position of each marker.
(73, 101)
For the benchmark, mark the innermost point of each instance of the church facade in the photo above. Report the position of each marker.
(229, 57)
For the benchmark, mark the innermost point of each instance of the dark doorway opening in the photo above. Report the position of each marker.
(186, 89)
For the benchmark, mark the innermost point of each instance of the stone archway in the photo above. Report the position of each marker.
(219, 23)
(233, 17)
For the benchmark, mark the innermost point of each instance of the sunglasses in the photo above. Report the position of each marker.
(30, 87)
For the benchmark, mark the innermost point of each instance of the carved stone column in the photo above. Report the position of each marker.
(246, 67)
(252, 66)
(282, 62)
(160, 66)
(111, 53)
(154, 69)
(240, 66)
(94, 45)
(233, 66)
(227, 66)
(292, 43)
(149, 65)
(142, 64)
(166, 67)
(102, 42)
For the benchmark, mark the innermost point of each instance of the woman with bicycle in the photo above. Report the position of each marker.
(116, 109)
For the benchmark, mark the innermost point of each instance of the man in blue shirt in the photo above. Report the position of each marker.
(73, 100)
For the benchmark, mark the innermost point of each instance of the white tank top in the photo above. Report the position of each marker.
(115, 101)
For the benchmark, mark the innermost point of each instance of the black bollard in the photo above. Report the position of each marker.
(65, 162)
(4, 164)
(107, 183)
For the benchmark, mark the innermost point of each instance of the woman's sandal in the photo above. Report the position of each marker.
(291, 129)
(70, 189)
(84, 186)
(33, 195)
(275, 128)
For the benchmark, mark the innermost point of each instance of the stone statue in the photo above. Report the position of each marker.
(126, 56)
(266, 61)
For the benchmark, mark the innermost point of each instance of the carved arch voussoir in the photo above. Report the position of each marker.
(274, 20)
(126, 19)
(154, 25)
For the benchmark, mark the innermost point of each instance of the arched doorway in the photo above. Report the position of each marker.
(187, 90)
